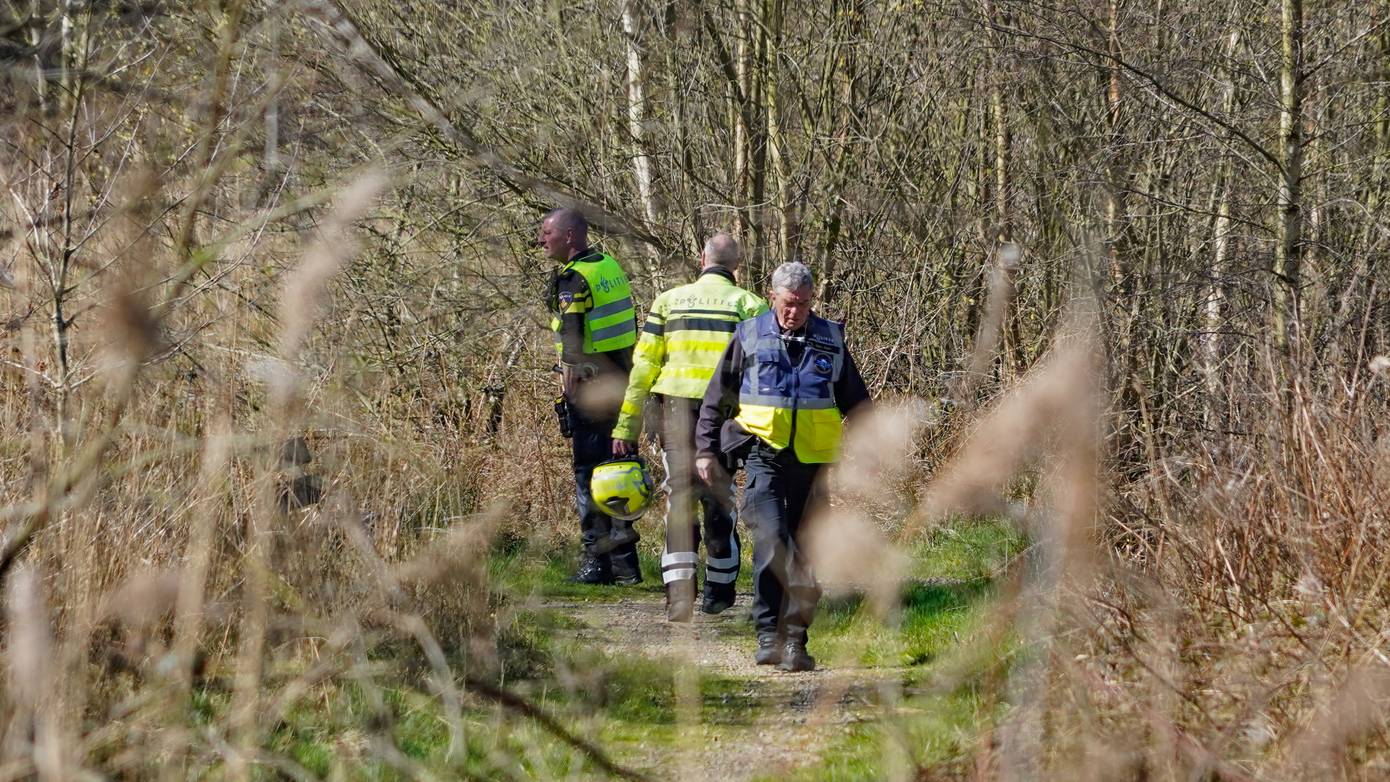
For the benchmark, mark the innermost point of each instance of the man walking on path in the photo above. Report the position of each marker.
(595, 325)
(780, 393)
(685, 333)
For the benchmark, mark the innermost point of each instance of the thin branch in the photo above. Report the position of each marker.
(1153, 82)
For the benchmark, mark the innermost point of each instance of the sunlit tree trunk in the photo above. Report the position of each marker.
(844, 64)
(1006, 255)
(777, 152)
(1214, 305)
(636, 117)
(1113, 193)
(743, 134)
(1290, 229)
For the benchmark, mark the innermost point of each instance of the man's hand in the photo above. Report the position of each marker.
(707, 468)
(624, 447)
(569, 374)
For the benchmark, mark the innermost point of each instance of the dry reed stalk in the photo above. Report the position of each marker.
(1054, 413)
(304, 292)
(998, 300)
(849, 552)
(1007, 435)
(198, 555)
(36, 725)
(1342, 713)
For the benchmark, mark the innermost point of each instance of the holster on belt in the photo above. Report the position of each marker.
(562, 412)
(734, 445)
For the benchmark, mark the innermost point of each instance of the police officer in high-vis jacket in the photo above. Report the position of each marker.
(595, 325)
(779, 394)
(685, 333)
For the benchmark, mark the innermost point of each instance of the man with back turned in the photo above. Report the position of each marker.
(681, 342)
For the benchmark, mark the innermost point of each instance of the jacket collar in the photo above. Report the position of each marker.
(584, 256)
(718, 271)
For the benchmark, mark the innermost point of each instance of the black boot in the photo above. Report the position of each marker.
(592, 570)
(769, 649)
(622, 535)
(717, 601)
(626, 569)
(795, 658)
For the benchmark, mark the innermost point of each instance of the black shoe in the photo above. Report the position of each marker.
(619, 537)
(769, 650)
(795, 658)
(679, 610)
(716, 604)
(592, 571)
(626, 569)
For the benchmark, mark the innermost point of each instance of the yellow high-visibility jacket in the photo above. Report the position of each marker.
(605, 301)
(686, 332)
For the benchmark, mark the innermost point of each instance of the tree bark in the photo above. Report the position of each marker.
(1214, 305)
(636, 119)
(1288, 248)
(786, 217)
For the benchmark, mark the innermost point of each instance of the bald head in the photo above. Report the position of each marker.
(567, 219)
(720, 250)
(564, 233)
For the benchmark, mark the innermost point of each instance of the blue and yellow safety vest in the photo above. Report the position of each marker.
(792, 405)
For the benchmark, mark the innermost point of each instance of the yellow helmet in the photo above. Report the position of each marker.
(622, 488)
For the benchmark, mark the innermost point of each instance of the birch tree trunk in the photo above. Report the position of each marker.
(1113, 170)
(1214, 304)
(844, 62)
(743, 142)
(636, 118)
(74, 25)
(1286, 251)
(786, 218)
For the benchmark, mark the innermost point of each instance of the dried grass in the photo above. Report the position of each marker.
(1217, 610)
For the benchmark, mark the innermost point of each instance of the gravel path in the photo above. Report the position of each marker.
(793, 717)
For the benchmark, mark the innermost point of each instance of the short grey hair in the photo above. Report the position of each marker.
(722, 250)
(791, 276)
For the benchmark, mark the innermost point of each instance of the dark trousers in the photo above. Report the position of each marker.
(593, 443)
(779, 495)
(689, 500)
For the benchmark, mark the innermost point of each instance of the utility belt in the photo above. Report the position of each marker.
(567, 413)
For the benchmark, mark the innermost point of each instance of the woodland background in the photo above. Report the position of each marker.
(1118, 264)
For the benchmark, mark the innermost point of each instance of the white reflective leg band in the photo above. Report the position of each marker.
(724, 563)
(677, 574)
(677, 566)
(678, 558)
(716, 577)
(723, 570)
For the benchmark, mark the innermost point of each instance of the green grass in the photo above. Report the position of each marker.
(629, 705)
(520, 569)
(942, 607)
(524, 571)
(936, 732)
(966, 551)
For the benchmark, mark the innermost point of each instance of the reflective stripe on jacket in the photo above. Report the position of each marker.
(792, 404)
(686, 331)
(610, 319)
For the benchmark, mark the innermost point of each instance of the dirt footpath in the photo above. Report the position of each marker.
(779, 722)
